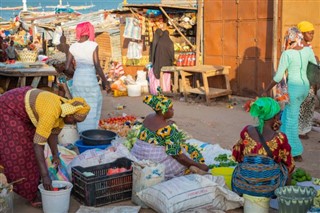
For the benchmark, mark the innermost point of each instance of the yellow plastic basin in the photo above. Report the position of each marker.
(226, 172)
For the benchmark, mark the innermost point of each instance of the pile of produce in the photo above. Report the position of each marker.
(223, 160)
(316, 200)
(316, 181)
(120, 125)
(300, 175)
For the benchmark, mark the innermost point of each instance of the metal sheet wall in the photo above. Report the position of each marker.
(238, 33)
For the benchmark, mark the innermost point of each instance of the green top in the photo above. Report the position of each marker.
(296, 62)
(172, 138)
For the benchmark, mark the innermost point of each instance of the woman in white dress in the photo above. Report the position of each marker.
(85, 82)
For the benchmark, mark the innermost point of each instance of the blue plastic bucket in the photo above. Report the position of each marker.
(82, 147)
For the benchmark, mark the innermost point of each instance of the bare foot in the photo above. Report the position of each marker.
(298, 158)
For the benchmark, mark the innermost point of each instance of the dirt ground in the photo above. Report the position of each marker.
(219, 122)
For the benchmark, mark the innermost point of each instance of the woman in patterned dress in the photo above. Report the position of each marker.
(161, 141)
(267, 111)
(30, 118)
(308, 105)
(295, 60)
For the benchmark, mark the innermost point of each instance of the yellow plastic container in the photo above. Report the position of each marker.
(226, 172)
(117, 93)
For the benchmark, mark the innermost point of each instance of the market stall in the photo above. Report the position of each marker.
(22, 71)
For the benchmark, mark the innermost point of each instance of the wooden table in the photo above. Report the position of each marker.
(23, 73)
(175, 71)
(206, 71)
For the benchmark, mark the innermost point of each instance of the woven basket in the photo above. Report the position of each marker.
(27, 55)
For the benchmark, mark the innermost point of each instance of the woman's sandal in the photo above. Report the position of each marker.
(304, 137)
(36, 204)
(298, 158)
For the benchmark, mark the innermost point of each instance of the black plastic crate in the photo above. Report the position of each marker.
(102, 189)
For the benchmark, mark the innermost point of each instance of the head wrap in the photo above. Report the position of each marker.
(305, 26)
(264, 109)
(292, 38)
(77, 107)
(158, 102)
(85, 29)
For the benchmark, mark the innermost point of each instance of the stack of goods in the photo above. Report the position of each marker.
(121, 125)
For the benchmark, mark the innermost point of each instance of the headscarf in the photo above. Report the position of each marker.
(77, 107)
(305, 26)
(83, 29)
(158, 102)
(264, 108)
(292, 38)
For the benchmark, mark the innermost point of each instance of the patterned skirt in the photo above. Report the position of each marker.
(145, 151)
(16, 143)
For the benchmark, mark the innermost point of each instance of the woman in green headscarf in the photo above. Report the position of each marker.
(267, 111)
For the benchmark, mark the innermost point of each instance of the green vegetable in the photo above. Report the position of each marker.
(293, 182)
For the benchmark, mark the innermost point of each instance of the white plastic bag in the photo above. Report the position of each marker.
(145, 174)
(191, 192)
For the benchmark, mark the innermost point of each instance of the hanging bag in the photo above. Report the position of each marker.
(282, 95)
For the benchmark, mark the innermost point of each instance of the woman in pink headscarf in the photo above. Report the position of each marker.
(85, 83)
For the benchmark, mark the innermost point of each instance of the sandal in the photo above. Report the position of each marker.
(36, 204)
(298, 158)
(305, 136)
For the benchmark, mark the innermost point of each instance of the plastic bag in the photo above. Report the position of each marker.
(145, 174)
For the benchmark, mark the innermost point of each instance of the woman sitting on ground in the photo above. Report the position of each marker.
(160, 140)
(262, 144)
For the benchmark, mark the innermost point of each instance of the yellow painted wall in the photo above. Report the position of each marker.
(294, 11)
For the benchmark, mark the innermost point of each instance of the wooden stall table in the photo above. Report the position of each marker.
(33, 71)
(173, 70)
(206, 71)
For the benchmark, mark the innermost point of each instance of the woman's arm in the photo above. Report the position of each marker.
(39, 152)
(97, 65)
(53, 144)
(69, 68)
(283, 66)
(184, 160)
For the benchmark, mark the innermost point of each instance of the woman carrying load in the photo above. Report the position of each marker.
(30, 118)
(295, 59)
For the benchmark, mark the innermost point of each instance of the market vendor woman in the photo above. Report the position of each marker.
(29, 118)
(160, 140)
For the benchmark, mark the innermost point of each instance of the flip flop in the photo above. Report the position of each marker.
(36, 204)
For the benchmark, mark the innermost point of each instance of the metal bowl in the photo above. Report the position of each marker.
(95, 137)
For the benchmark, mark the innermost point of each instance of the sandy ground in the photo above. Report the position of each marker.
(213, 123)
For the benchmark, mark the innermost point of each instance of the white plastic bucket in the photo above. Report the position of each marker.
(134, 90)
(68, 135)
(254, 204)
(56, 201)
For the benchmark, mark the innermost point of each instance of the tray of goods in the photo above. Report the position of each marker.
(120, 125)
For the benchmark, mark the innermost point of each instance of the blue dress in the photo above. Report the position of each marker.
(295, 62)
(85, 83)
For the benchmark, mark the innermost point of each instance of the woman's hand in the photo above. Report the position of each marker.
(203, 167)
(47, 183)
(56, 161)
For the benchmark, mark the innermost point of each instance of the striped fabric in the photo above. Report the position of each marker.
(259, 176)
(145, 151)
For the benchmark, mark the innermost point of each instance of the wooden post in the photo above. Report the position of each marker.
(275, 40)
(175, 26)
(199, 48)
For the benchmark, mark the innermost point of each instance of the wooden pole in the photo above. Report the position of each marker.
(275, 38)
(175, 26)
(199, 47)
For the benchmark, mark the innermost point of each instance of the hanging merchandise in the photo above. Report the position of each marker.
(134, 50)
(132, 29)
